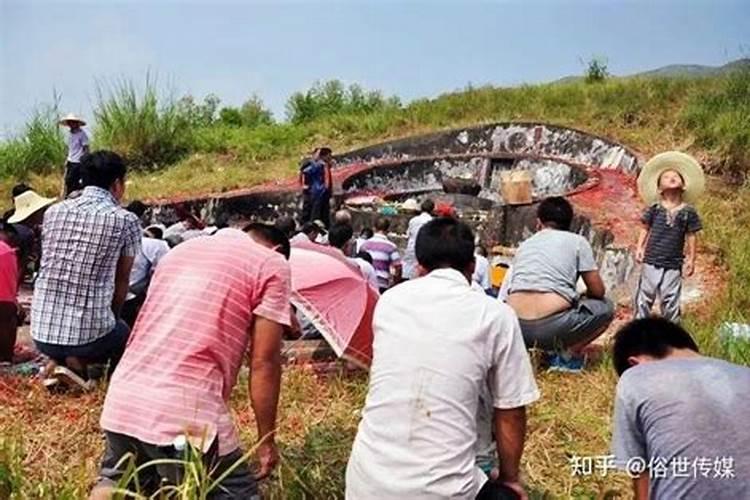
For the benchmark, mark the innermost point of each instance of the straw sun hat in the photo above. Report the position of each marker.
(70, 117)
(26, 204)
(687, 166)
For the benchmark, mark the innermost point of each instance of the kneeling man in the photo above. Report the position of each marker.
(437, 343)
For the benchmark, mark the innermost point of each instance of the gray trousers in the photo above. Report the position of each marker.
(663, 283)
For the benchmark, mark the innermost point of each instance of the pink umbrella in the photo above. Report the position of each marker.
(331, 292)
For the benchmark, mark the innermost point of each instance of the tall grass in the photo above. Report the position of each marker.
(720, 120)
(40, 147)
(153, 131)
(726, 218)
(148, 130)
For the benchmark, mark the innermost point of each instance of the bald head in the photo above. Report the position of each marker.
(342, 216)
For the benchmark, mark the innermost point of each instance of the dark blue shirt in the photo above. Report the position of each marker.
(315, 175)
(666, 240)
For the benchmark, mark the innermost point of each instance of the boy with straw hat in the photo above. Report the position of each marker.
(78, 145)
(670, 182)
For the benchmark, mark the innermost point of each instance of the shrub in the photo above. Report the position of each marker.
(333, 98)
(251, 114)
(254, 113)
(230, 116)
(596, 69)
(199, 115)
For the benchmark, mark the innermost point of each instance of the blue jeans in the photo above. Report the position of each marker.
(107, 348)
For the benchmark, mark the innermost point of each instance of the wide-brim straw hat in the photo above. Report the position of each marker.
(26, 204)
(687, 166)
(70, 117)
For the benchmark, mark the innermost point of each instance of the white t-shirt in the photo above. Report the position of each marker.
(410, 257)
(367, 271)
(437, 342)
(152, 250)
(482, 272)
(77, 141)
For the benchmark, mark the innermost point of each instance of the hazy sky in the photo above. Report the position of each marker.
(412, 49)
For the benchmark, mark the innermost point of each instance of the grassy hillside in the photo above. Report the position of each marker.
(175, 155)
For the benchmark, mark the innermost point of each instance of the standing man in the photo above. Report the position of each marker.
(88, 247)
(416, 222)
(680, 423)
(317, 185)
(438, 342)
(78, 145)
(385, 257)
(214, 302)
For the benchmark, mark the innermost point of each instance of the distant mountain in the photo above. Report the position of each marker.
(696, 69)
(679, 71)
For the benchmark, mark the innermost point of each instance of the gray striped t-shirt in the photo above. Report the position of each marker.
(665, 247)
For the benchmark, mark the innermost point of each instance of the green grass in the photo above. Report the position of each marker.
(39, 148)
(708, 116)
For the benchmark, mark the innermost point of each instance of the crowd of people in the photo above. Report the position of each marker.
(451, 377)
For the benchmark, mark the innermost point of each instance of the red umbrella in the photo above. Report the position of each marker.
(331, 292)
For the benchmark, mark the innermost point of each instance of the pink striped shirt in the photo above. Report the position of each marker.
(191, 336)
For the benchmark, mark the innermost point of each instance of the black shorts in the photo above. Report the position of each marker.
(238, 484)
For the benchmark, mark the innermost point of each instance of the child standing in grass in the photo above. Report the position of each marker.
(669, 182)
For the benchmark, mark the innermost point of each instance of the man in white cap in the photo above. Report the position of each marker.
(78, 145)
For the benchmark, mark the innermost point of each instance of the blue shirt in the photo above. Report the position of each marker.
(315, 177)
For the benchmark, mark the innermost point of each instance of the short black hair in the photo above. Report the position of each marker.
(364, 256)
(481, 250)
(325, 151)
(137, 207)
(366, 233)
(286, 225)
(445, 242)
(155, 232)
(652, 336)
(428, 206)
(339, 235)
(382, 224)
(270, 235)
(19, 189)
(309, 227)
(556, 212)
(102, 169)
